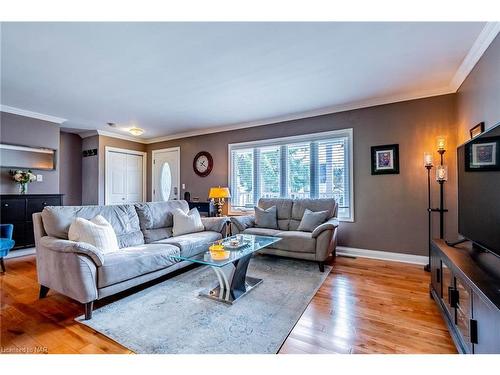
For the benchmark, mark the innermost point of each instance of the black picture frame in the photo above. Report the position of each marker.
(476, 130)
(490, 146)
(390, 155)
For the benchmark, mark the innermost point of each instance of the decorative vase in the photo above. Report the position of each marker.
(23, 188)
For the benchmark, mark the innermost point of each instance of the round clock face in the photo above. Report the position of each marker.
(203, 163)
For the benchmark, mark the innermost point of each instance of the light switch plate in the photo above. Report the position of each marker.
(39, 178)
(183, 186)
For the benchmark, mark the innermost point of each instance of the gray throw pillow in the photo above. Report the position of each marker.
(266, 218)
(311, 220)
(185, 223)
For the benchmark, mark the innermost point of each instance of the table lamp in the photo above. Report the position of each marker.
(219, 194)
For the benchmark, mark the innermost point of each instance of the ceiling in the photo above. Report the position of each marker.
(174, 79)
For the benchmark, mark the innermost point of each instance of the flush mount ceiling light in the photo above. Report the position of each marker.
(136, 131)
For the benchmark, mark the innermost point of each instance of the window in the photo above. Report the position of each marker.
(307, 166)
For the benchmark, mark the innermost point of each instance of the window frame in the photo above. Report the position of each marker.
(311, 137)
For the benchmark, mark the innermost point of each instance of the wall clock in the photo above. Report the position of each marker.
(203, 164)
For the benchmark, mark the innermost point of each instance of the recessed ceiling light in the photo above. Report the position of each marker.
(136, 131)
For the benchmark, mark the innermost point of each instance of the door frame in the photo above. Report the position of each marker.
(107, 150)
(153, 153)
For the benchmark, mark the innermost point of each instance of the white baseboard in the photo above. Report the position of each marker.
(382, 255)
(21, 253)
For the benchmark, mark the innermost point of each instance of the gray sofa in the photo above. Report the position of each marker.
(316, 245)
(144, 231)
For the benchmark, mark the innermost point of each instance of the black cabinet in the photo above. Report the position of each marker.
(465, 283)
(204, 208)
(18, 210)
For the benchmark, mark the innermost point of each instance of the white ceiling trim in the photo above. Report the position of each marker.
(483, 41)
(297, 116)
(36, 115)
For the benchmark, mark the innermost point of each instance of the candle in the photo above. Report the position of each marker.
(427, 159)
(441, 143)
(442, 173)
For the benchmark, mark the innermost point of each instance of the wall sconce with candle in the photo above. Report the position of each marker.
(441, 178)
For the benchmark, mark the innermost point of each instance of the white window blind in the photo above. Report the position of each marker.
(309, 166)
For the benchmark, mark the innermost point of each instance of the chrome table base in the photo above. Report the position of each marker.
(233, 281)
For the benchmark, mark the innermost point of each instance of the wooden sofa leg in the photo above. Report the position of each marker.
(321, 266)
(43, 291)
(2, 266)
(89, 306)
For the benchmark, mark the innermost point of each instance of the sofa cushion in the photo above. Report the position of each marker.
(283, 208)
(156, 218)
(300, 205)
(192, 243)
(261, 231)
(123, 219)
(311, 220)
(301, 242)
(266, 218)
(134, 261)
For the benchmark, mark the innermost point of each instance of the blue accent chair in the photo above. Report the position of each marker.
(6, 242)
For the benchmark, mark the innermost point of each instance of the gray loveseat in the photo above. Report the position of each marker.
(316, 245)
(144, 231)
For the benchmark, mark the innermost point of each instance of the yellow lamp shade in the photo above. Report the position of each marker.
(219, 192)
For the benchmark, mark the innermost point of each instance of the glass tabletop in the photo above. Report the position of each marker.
(249, 244)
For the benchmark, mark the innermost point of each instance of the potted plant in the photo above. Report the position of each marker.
(23, 178)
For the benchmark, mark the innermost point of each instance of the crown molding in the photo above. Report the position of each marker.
(301, 115)
(483, 41)
(36, 115)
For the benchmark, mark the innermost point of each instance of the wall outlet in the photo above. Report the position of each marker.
(183, 186)
(39, 178)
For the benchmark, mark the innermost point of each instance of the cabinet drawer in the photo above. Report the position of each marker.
(13, 210)
(37, 204)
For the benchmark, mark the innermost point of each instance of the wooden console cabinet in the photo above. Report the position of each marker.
(18, 210)
(465, 283)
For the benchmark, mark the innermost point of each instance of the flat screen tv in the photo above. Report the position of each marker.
(479, 190)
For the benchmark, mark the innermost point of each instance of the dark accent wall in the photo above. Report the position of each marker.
(70, 169)
(478, 98)
(27, 131)
(390, 211)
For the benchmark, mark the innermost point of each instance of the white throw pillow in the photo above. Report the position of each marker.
(187, 222)
(97, 232)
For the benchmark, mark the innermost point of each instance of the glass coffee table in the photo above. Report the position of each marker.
(230, 266)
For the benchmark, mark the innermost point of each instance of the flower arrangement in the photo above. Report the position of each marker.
(23, 178)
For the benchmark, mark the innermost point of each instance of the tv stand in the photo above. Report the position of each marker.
(465, 284)
(457, 242)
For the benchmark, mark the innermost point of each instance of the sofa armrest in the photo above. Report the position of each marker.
(243, 222)
(215, 224)
(66, 246)
(331, 224)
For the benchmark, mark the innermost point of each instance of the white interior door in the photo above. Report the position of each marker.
(124, 177)
(166, 175)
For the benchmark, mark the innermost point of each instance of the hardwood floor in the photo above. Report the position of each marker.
(364, 306)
